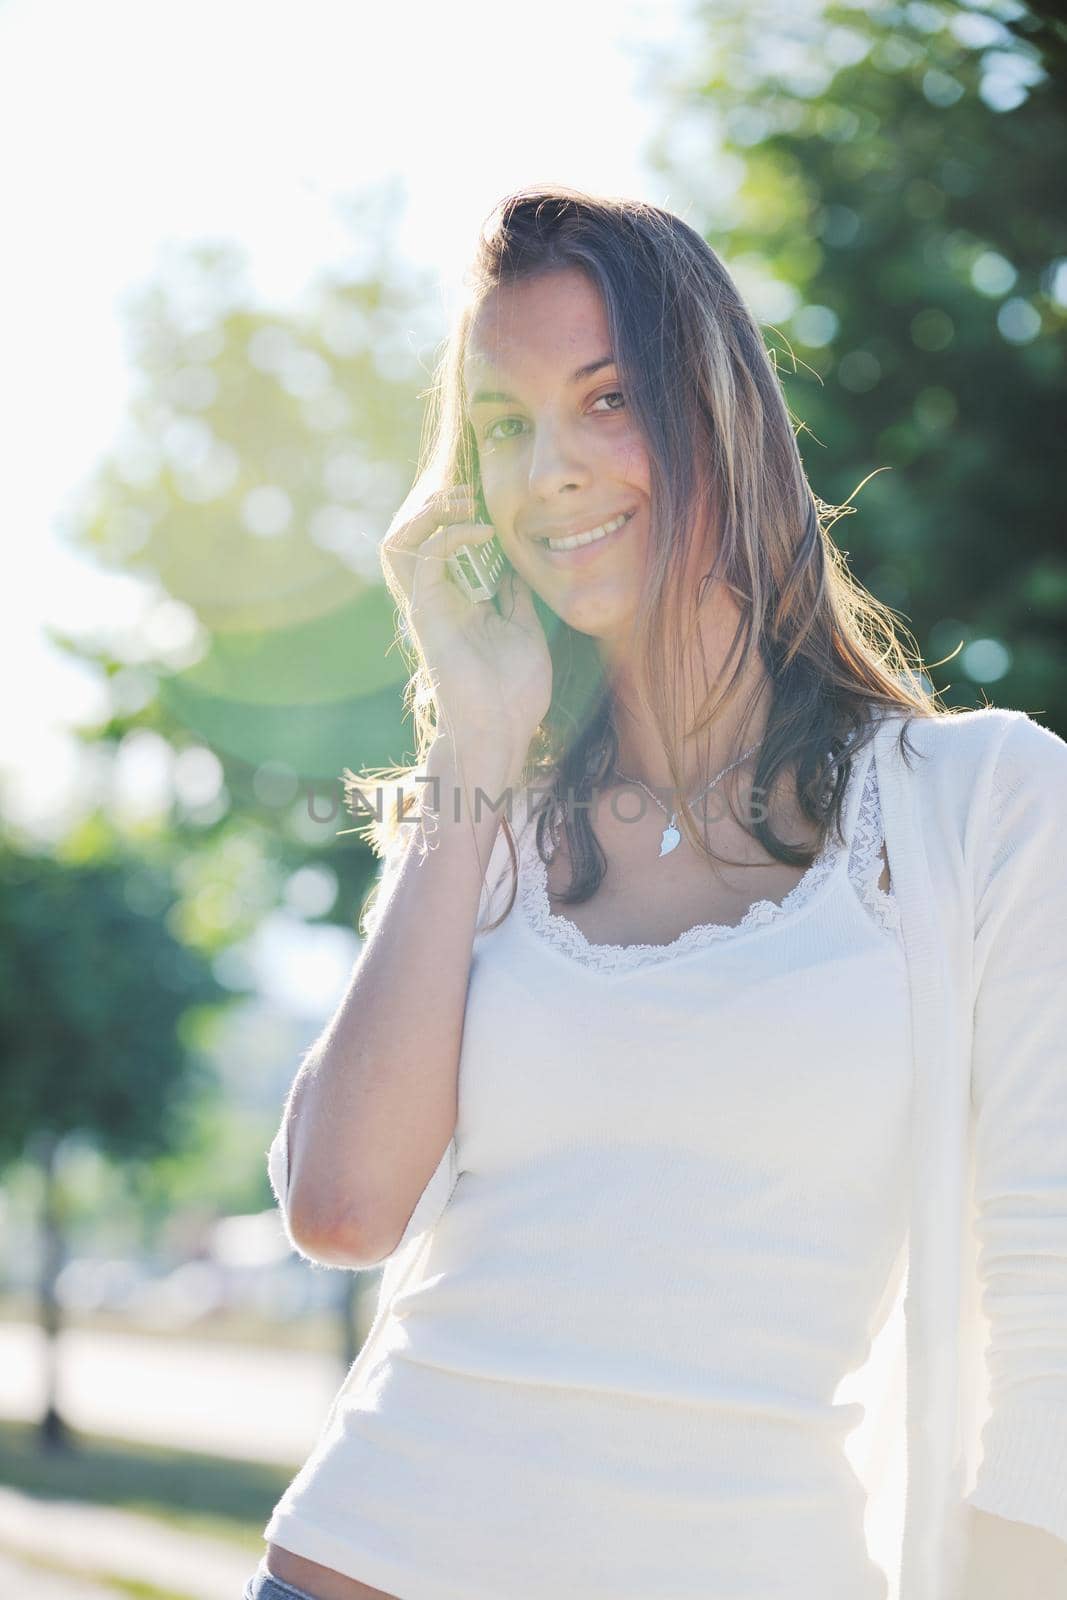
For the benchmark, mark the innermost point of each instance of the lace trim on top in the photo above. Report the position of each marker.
(864, 869)
(865, 862)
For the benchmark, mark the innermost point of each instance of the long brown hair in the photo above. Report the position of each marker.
(723, 452)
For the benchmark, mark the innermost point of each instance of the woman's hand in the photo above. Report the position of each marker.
(491, 669)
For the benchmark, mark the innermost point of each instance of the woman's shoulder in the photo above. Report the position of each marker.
(969, 766)
(960, 744)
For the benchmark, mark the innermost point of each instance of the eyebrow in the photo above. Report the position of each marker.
(483, 397)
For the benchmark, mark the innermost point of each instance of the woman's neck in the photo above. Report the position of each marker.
(730, 733)
(734, 726)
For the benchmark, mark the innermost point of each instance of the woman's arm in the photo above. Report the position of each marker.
(1019, 1097)
(373, 1106)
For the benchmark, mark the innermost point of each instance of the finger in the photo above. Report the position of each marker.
(402, 553)
(448, 537)
(431, 580)
(411, 528)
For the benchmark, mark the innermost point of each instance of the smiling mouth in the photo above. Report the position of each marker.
(594, 535)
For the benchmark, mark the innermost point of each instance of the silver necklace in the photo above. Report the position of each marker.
(671, 835)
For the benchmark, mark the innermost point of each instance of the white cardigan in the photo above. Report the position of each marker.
(971, 832)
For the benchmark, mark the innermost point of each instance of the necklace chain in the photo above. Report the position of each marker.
(671, 835)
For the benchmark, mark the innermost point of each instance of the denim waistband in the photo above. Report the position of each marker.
(263, 1585)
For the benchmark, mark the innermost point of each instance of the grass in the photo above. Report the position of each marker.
(135, 1588)
(206, 1495)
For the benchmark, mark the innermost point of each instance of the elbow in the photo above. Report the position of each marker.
(354, 1245)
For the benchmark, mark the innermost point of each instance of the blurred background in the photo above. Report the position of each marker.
(235, 234)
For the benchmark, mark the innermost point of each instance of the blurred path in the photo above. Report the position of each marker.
(96, 1539)
(19, 1578)
(246, 1401)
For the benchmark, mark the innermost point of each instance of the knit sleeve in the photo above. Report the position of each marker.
(1019, 1099)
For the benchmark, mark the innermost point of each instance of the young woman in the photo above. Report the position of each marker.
(649, 1150)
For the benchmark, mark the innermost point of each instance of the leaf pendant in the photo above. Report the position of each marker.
(671, 837)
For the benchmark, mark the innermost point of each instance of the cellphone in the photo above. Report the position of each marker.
(478, 568)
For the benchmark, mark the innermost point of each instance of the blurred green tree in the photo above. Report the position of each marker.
(889, 184)
(105, 1013)
(263, 457)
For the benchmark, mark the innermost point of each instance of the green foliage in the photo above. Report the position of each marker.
(262, 459)
(102, 1008)
(900, 173)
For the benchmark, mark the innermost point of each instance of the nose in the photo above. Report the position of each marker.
(554, 466)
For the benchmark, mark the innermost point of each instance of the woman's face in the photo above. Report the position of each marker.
(558, 449)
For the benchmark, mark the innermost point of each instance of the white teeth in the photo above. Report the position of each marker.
(587, 538)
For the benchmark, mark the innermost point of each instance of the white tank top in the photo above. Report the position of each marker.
(662, 1235)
